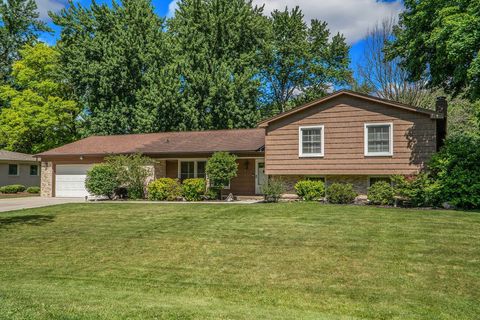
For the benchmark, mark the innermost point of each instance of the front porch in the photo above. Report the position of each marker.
(250, 176)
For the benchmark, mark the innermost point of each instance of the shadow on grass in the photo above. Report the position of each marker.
(31, 220)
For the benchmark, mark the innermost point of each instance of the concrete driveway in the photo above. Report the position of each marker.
(34, 202)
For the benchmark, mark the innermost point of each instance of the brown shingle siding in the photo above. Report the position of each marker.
(343, 119)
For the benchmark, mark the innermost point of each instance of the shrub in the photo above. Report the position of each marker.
(381, 193)
(14, 188)
(132, 173)
(102, 181)
(164, 189)
(310, 190)
(456, 172)
(33, 190)
(418, 191)
(341, 193)
(194, 189)
(211, 194)
(220, 169)
(273, 190)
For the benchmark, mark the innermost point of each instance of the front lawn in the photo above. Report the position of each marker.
(265, 261)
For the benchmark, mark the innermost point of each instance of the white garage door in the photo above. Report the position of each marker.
(70, 181)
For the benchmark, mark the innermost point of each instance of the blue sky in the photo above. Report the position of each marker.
(349, 17)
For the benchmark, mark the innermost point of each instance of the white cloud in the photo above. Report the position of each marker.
(349, 17)
(171, 8)
(49, 5)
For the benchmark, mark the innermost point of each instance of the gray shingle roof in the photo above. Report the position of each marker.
(15, 156)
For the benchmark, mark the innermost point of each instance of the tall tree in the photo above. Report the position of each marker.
(217, 46)
(115, 57)
(441, 38)
(302, 63)
(19, 25)
(38, 112)
(387, 78)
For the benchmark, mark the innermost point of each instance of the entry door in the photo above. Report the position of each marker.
(260, 176)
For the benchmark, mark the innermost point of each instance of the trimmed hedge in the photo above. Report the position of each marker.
(381, 193)
(310, 190)
(194, 189)
(33, 190)
(341, 193)
(11, 189)
(164, 189)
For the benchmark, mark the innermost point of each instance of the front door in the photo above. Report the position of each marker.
(260, 176)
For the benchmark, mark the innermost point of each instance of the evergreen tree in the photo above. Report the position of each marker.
(301, 63)
(19, 25)
(217, 46)
(115, 57)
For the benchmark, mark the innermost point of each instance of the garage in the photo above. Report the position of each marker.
(70, 180)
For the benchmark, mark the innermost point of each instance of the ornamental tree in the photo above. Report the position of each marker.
(220, 169)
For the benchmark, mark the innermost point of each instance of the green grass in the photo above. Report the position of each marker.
(266, 261)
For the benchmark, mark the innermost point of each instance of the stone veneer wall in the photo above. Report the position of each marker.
(360, 183)
(157, 170)
(46, 180)
(160, 167)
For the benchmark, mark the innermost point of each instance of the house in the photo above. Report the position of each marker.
(343, 137)
(19, 168)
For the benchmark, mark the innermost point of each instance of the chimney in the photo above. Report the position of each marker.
(441, 107)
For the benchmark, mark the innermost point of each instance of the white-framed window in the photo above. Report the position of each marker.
(378, 139)
(191, 168)
(13, 170)
(311, 141)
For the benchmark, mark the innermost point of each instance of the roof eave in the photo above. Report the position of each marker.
(45, 155)
(266, 122)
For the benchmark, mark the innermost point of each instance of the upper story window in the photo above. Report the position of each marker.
(378, 139)
(13, 169)
(34, 170)
(311, 141)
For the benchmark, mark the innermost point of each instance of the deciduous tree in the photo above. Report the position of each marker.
(19, 25)
(387, 78)
(442, 40)
(38, 112)
(116, 58)
(301, 62)
(217, 47)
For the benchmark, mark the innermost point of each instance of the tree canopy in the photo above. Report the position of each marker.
(19, 25)
(440, 40)
(216, 64)
(302, 62)
(217, 46)
(113, 57)
(38, 112)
